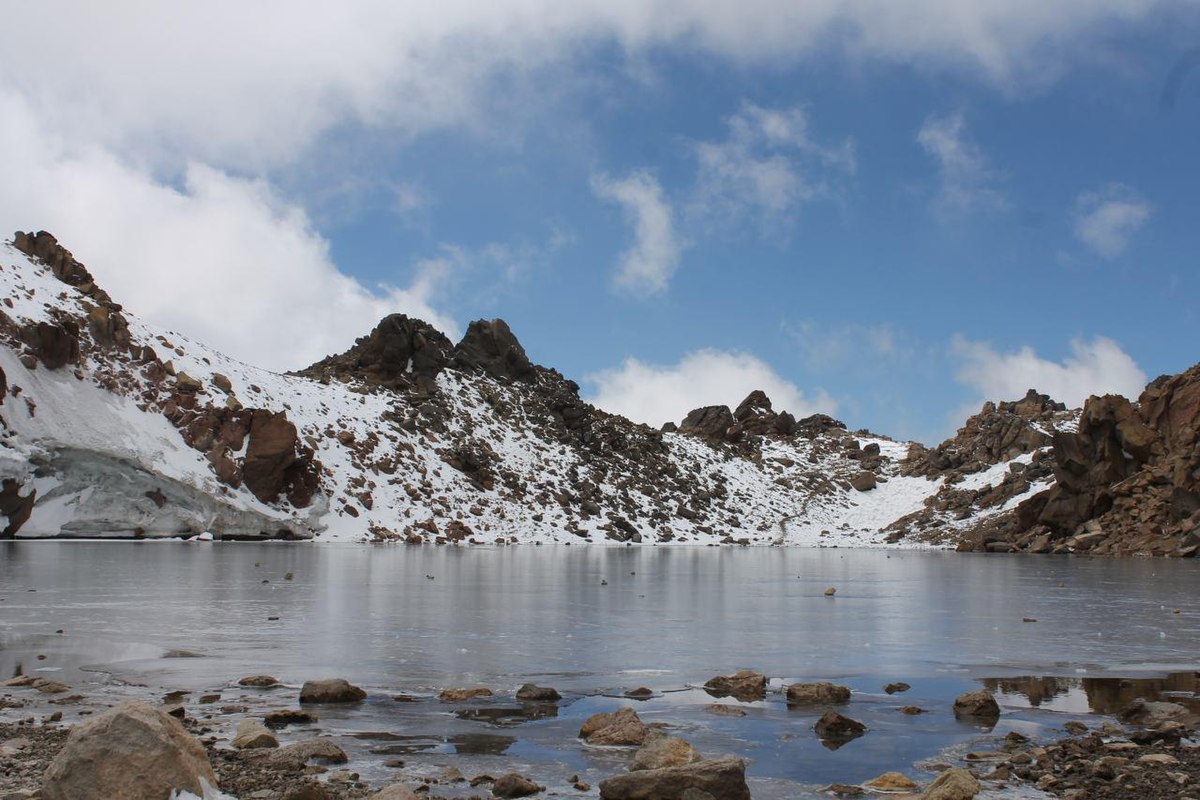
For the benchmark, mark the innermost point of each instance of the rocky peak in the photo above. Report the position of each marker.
(999, 432)
(398, 353)
(491, 346)
(756, 404)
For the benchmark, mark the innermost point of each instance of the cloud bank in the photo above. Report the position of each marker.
(659, 393)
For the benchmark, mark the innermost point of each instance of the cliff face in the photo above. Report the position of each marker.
(111, 427)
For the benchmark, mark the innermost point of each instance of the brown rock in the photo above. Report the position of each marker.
(980, 705)
(492, 347)
(723, 778)
(130, 752)
(745, 685)
(458, 695)
(271, 451)
(396, 791)
(330, 690)
(513, 785)
(953, 784)
(15, 506)
(835, 727)
(660, 750)
(623, 727)
(543, 694)
(294, 756)
(817, 694)
(863, 481)
(281, 718)
(252, 734)
(892, 782)
(259, 681)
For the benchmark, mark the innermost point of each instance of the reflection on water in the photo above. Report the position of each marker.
(594, 623)
(1095, 695)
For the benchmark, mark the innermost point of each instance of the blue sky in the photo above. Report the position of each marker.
(887, 216)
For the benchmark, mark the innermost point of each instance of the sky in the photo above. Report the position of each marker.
(888, 212)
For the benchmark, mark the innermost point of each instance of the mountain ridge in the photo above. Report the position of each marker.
(115, 428)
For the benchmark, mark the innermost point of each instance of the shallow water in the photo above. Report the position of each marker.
(414, 620)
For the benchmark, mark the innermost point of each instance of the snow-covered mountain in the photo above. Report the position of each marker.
(112, 427)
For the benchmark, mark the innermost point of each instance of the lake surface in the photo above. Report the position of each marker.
(411, 621)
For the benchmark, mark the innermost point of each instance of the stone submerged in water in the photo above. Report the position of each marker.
(621, 728)
(891, 782)
(130, 752)
(259, 681)
(817, 694)
(835, 727)
(458, 695)
(723, 778)
(745, 685)
(980, 705)
(330, 690)
(542, 694)
(283, 717)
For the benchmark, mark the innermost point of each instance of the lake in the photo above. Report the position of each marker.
(596, 622)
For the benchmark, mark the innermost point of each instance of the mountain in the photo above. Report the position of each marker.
(114, 428)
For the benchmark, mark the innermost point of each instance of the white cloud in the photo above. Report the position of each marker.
(1098, 366)
(1107, 219)
(655, 394)
(242, 84)
(768, 166)
(646, 267)
(965, 180)
(220, 258)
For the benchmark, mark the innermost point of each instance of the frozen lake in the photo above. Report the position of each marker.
(595, 622)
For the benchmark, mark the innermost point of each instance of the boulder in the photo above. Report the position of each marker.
(330, 690)
(16, 507)
(541, 694)
(294, 756)
(980, 705)
(709, 422)
(283, 717)
(817, 694)
(837, 728)
(513, 785)
(130, 752)
(252, 734)
(269, 454)
(1151, 714)
(745, 685)
(863, 481)
(623, 727)
(953, 784)
(55, 344)
(723, 778)
(660, 750)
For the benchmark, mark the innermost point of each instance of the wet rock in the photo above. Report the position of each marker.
(953, 784)
(980, 705)
(723, 778)
(623, 727)
(131, 752)
(745, 685)
(541, 694)
(892, 782)
(641, 693)
(294, 756)
(287, 716)
(817, 694)
(252, 734)
(513, 785)
(1154, 713)
(330, 690)
(837, 728)
(660, 750)
(723, 710)
(894, 688)
(458, 695)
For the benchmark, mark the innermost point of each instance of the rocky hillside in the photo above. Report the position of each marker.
(111, 427)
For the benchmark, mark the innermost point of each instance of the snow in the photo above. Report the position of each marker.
(377, 474)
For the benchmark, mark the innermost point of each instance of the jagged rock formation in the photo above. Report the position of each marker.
(1127, 480)
(111, 427)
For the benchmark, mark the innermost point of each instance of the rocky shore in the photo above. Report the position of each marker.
(136, 750)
